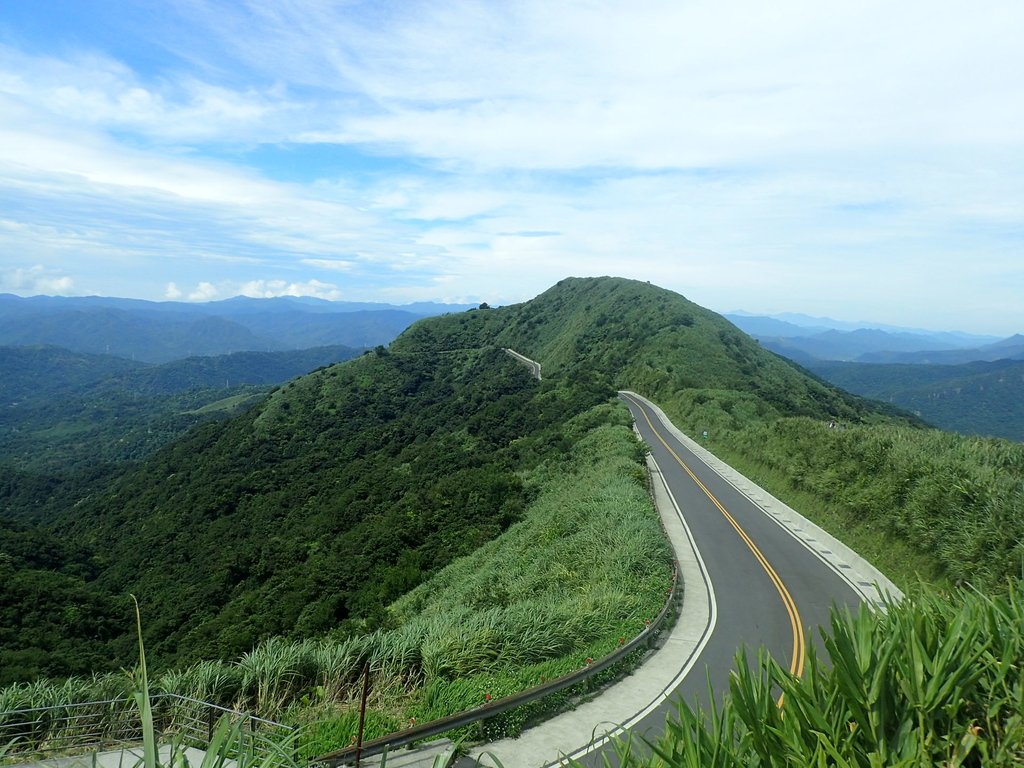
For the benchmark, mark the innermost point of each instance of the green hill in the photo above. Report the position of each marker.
(631, 334)
(321, 505)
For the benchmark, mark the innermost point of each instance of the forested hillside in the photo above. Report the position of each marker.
(63, 411)
(980, 398)
(321, 505)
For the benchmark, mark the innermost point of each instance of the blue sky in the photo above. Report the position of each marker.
(861, 160)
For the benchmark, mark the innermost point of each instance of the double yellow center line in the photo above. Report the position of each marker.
(799, 652)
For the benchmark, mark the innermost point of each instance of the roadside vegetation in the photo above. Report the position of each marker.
(937, 680)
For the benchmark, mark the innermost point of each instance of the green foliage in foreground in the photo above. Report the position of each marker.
(935, 681)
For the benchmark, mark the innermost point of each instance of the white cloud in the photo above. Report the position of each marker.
(654, 84)
(204, 292)
(266, 289)
(172, 292)
(334, 265)
(89, 89)
(740, 153)
(36, 280)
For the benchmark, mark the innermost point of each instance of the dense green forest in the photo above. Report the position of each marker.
(337, 494)
(979, 398)
(310, 512)
(53, 621)
(63, 411)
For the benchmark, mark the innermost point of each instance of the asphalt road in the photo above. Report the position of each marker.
(755, 574)
(770, 588)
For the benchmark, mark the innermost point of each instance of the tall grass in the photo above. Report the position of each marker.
(937, 680)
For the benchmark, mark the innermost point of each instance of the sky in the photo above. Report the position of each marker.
(855, 159)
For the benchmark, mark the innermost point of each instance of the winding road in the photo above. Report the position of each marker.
(755, 574)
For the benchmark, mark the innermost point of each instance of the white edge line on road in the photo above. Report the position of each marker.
(691, 659)
(870, 597)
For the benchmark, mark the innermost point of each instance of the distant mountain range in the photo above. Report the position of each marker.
(159, 332)
(63, 411)
(807, 339)
(956, 381)
(978, 398)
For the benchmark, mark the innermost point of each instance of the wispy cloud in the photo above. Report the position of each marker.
(783, 156)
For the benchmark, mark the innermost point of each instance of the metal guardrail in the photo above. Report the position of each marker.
(498, 706)
(196, 721)
(69, 727)
(533, 365)
(103, 725)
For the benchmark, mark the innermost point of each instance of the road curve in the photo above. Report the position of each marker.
(766, 576)
(533, 365)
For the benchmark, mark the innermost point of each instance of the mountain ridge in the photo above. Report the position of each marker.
(163, 331)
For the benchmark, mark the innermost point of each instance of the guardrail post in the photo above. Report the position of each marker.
(362, 712)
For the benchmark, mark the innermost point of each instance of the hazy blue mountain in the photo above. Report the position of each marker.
(803, 339)
(1011, 348)
(131, 334)
(163, 331)
(796, 324)
(758, 326)
(849, 345)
